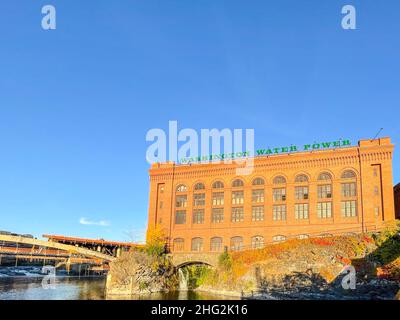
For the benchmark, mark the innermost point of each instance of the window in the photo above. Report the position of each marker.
(257, 242)
(303, 236)
(325, 176)
(179, 244)
(236, 243)
(237, 197)
(278, 238)
(199, 186)
(348, 190)
(301, 211)
(218, 185)
(218, 198)
(324, 210)
(181, 188)
(279, 180)
(197, 244)
(257, 196)
(257, 213)
(348, 174)
(180, 217)
(161, 204)
(376, 191)
(237, 183)
(301, 178)
(199, 199)
(324, 191)
(198, 216)
(301, 193)
(258, 182)
(279, 194)
(237, 214)
(325, 235)
(349, 208)
(162, 188)
(181, 201)
(376, 210)
(217, 215)
(216, 244)
(279, 212)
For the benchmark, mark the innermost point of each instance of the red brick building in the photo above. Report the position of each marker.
(206, 207)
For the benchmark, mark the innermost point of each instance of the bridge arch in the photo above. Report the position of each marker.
(184, 259)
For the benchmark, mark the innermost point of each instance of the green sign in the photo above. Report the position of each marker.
(269, 151)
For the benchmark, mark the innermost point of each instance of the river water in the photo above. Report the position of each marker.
(29, 287)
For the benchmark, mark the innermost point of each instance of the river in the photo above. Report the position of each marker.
(29, 287)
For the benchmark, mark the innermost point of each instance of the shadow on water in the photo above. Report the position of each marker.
(83, 288)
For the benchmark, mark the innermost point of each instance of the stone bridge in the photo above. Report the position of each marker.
(183, 259)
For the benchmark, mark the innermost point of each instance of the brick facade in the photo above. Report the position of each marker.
(304, 194)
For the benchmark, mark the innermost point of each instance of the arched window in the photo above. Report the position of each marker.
(197, 244)
(279, 180)
(179, 244)
(324, 176)
(218, 185)
(199, 186)
(257, 242)
(181, 188)
(303, 236)
(348, 174)
(301, 178)
(237, 183)
(258, 182)
(278, 238)
(216, 244)
(349, 234)
(236, 243)
(325, 235)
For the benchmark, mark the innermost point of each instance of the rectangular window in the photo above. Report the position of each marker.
(279, 194)
(237, 214)
(349, 208)
(199, 199)
(180, 217)
(181, 201)
(218, 198)
(217, 215)
(279, 212)
(257, 196)
(325, 191)
(198, 216)
(237, 197)
(301, 193)
(324, 210)
(301, 211)
(348, 190)
(257, 213)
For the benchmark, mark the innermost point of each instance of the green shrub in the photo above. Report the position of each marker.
(225, 261)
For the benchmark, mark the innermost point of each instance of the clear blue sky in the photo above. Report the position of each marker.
(76, 103)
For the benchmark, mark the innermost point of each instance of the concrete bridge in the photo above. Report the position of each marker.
(71, 250)
(182, 259)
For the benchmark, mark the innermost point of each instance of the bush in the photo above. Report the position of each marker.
(225, 261)
(156, 242)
